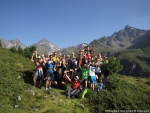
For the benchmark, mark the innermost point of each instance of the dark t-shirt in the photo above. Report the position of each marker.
(59, 76)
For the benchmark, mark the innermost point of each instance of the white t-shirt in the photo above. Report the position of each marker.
(97, 67)
(92, 71)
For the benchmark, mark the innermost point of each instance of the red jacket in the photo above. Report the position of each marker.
(75, 84)
(88, 56)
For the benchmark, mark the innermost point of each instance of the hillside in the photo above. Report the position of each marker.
(18, 96)
(143, 43)
(16, 80)
(136, 62)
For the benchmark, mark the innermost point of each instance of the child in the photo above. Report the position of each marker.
(99, 86)
(92, 75)
(85, 71)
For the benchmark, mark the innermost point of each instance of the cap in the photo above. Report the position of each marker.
(76, 77)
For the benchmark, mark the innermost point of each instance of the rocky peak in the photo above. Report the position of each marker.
(44, 40)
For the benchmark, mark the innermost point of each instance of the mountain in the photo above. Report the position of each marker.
(10, 43)
(44, 46)
(143, 42)
(72, 48)
(80, 45)
(121, 39)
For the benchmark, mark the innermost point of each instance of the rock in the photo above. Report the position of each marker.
(33, 93)
(82, 105)
(19, 98)
(36, 108)
(18, 77)
(16, 106)
(19, 106)
(45, 97)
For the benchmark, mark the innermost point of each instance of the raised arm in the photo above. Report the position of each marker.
(73, 55)
(32, 57)
(77, 52)
(93, 50)
(35, 53)
(82, 50)
(65, 72)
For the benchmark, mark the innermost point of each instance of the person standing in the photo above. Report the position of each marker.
(39, 70)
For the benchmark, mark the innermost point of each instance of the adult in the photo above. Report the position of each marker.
(39, 70)
(50, 76)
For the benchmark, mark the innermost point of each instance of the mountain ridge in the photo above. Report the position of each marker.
(122, 39)
(10, 43)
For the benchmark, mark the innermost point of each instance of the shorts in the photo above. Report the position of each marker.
(39, 73)
(50, 76)
(92, 79)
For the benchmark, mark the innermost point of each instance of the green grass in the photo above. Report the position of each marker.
(124, 92)
(13, 84)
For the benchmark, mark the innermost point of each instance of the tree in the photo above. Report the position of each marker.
(20, 50)
(27, 53)
(114, 65)
(13, 49)
(32, 48)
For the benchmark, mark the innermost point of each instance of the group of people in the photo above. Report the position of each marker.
(74, 71)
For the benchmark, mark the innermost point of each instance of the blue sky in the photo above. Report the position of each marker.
(69, 22)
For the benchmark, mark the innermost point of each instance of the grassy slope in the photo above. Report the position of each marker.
(125, 93)
(13, 66)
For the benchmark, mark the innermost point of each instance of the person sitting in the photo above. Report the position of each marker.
(99, 86)
(65, 80)
(75, 88)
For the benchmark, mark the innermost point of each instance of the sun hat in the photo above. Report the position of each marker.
(76, 77)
